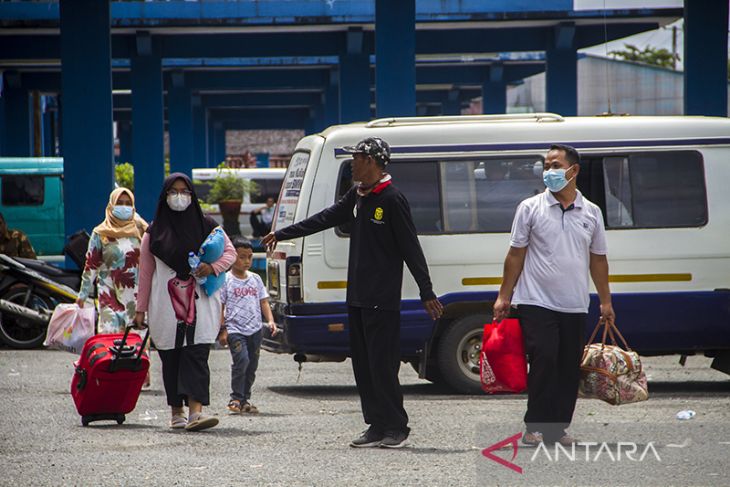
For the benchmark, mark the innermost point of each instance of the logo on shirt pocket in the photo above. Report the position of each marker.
(378, 213)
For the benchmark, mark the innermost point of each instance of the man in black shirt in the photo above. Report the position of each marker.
(382, 237)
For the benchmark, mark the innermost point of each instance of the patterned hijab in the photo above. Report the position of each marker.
(173, 234)
(113, 227)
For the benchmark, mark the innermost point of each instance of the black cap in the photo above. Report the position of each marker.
(374, 147)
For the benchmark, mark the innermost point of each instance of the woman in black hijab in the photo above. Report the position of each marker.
(183, 320)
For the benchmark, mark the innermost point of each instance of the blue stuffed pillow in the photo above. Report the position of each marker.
(212, 247)
(210, 251)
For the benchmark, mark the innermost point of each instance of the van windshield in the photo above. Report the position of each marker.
(290, 189)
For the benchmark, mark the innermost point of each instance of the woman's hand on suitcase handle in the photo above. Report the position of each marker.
(139, 320)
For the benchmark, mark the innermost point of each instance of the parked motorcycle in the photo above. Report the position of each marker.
(29, 292)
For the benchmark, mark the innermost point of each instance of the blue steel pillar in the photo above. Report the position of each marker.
(126, 151)
(180, 116)
(86, 77)
(148, 124)
(313, 121)
(561, 73)
(494, 91)
(19, 124)
(200, 142)
(47, 127)
(219, 143)
(395, 58)
(331, 100)
(705, 57)
(452, 104)
(211, 139)
(354, 82)
(2, 123)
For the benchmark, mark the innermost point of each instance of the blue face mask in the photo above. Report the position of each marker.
(123, 212)
(555, 180)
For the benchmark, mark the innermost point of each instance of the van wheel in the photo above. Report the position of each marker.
(458, 353)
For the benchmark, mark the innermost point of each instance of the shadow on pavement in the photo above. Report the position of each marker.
(115, 426)
(690, 388)
(437, 451)
(413, 392)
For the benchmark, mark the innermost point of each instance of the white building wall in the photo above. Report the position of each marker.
(635, 89)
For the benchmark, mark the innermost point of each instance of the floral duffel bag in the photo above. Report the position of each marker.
(611, 373)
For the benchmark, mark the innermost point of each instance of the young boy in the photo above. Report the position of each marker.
(244, 298)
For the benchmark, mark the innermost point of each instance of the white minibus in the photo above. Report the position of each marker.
(662, 183)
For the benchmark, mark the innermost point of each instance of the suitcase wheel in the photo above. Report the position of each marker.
(85, 421)
(120, 418)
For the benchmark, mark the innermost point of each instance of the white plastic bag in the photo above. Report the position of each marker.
(70, 327)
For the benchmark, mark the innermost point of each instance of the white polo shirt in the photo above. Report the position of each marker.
(559, 244)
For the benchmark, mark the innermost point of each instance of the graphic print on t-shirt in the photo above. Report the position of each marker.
(242, 301)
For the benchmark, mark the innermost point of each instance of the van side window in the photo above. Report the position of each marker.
(418, 181)
(655, 190)
(22, 190)
(482, 195)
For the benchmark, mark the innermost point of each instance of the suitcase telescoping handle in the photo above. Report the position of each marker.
(121, 345)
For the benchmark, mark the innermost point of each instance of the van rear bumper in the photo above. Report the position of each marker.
(323, 334)
(322, 329)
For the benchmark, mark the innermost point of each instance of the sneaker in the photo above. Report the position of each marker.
(532, 438)
(200, 422)
(395, 439)
(178, 421)
(368, 439)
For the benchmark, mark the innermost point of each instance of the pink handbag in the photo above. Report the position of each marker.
(610, 373)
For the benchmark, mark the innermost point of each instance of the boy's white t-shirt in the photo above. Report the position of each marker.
(242, 299)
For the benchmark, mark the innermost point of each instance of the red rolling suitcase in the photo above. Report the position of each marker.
(109, 376)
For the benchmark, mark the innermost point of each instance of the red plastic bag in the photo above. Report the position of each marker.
(502, 362)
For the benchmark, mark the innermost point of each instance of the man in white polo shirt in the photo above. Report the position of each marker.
(558, 239)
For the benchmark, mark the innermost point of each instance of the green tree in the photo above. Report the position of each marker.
(124, 175)
(649, 55)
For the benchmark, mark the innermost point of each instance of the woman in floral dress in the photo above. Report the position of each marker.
(112, 262)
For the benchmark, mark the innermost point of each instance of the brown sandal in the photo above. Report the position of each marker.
(234, 406)
(249, 408)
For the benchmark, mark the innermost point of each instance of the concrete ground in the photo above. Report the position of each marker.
(301, 436)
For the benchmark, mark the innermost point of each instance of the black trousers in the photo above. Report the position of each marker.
(554, 347)
(375, 349)
(185, 374)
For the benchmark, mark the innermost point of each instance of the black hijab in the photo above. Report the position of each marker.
(173, 234)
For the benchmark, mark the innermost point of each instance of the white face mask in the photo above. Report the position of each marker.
(179, 202)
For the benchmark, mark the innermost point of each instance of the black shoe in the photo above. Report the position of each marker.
(394, 439)
(368, 439)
